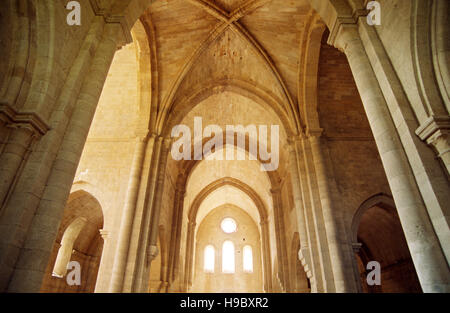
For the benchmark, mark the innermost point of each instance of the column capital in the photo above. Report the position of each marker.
(344, 35)
(345, 20)
(435, 131)
(104, 233)
(294, 140)
(142, 136)
(109, 18)
(433, 127)
(356, 247)
(275, 190)
(167, 141)
(314, 133)
(152, 253)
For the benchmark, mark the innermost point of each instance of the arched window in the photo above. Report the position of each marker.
(209, 259)
(248, 259)
(228, 257)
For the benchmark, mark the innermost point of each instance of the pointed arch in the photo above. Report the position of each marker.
(378, 199)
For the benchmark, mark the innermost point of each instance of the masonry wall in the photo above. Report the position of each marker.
(104, 167)
(210, 233)
(356, 163)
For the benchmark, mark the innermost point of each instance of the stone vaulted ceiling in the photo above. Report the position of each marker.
(207, 43)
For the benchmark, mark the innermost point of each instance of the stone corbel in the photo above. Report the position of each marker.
(142, 135)
(344, 20)
(317, 132)
(293, 140)
(275, 190)
(27, 120)
(152, 253)
(104, 234)
(304, 256)
(111, 18)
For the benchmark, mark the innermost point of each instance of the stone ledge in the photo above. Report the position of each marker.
(28, 120)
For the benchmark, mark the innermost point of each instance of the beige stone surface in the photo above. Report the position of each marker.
(87, 175)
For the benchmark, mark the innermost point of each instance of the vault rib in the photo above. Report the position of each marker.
(232, 21)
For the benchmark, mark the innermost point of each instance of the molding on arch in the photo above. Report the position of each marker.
(374, 200)
(84, 192)
(308, 70)
(94, 192)
(262, 96)
(230, 181)
(264, 240)
(192, 215)
(188, 166)
(143, 34)
(440, 46)
(424, 26)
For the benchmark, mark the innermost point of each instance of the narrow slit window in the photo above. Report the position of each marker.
(228, 265)
(209, 259)
(248, 259)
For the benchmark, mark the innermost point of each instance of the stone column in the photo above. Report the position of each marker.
(65, 250)
(126, 223)
(154, 226)
(313, 270)
(321, 263)
(51, 199)
(149, 235)
(266, 255)
(283, 270)
(356, 247)
(337, 240)
(175, 243)
(427, 255)
(137, 264)
(103, 261)
(152, 253)
(189, 255)
(304, 254)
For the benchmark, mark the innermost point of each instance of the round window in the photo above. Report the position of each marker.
(228, 225)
